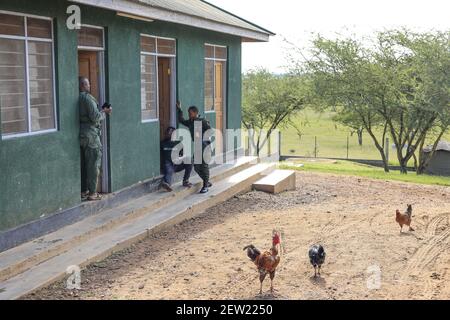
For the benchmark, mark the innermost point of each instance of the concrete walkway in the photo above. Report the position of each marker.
(38, 263)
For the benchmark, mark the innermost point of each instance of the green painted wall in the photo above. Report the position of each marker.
(40, 175)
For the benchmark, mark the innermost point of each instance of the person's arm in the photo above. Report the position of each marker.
(206, 125)
(180, 115)
(94, 114)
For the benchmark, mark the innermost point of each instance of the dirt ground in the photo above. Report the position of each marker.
(354, 219)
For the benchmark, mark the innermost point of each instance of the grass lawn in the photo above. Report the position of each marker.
(356, 169)
(331, 139)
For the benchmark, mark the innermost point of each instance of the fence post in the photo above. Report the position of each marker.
(279, 145)
(386, 150)
(348, 145)
(315, 146)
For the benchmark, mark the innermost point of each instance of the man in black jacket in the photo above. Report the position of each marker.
(168, 146)
(202, 168)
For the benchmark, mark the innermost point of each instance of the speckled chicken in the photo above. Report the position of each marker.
(266, 262)
(317, 258)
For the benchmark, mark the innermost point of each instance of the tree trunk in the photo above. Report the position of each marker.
(403, 166)
(416, 163)
(360, 137)
(380, 150)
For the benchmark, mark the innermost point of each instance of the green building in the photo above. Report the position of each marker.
(141, 56)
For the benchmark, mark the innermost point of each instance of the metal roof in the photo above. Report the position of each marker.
(442, 146)
(197, 13)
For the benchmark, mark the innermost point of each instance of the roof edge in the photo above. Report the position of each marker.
(156, 13)
(240, 18)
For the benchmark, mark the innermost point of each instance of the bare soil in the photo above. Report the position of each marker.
(353, 218)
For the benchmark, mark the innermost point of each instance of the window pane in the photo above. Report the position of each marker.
(148, 44)
(209, 51)
(209, 85)
(90, 37)
(12, 25)
(166, 46)
(12, 86)
(221, 53)
(41, 85)
(39, 28)
(148, 87)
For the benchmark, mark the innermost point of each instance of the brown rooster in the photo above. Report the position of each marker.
(404, 219)
(266, 262)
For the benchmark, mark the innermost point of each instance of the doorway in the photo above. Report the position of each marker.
(90, 65)
(164, 94)
(219, 89)
(166, 98)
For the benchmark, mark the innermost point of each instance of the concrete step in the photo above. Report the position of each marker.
(276, 182)
(27, 255)
(104, 244)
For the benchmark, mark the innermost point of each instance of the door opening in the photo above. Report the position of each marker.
(90, 65)
(164, 93)
(219, 102)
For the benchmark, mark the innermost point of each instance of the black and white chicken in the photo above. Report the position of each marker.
(317, 258)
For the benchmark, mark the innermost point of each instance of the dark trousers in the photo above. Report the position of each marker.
(203, 168)
(91, 160)
(170, 169)
(203, 172)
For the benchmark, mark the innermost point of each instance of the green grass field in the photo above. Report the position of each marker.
(331, 139)
(354, 169)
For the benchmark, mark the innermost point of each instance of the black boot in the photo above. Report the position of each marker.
(204, 189)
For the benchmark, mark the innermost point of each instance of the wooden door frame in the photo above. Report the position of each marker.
(173, 87)
(224, 103)
(173, 91)
(101, 62)
(169, 114)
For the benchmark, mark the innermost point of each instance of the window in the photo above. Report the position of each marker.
(209, 85)
(149, 86)
(215, 59)
(89, 37)
(151, 48)
(26, 75)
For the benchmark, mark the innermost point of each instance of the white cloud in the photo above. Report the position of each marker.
(296, 19)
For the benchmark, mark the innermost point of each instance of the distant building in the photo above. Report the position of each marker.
(440, 162)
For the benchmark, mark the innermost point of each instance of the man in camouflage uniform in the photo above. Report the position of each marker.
(202, 169)
(90, 140)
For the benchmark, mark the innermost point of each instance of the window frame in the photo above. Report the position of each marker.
(26, 39)
(214, 59)
(156, 55)
(89, 48)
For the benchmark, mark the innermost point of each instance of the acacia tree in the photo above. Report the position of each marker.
(431, 55)
(416, 100)
(270, 101)
(343, 79)
(398, 86)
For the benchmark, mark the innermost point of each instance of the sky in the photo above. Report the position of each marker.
(297, 20)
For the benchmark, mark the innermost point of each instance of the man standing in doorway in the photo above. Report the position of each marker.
(90, 140)
(202, 168)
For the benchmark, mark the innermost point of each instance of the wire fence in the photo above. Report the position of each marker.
(328, 146)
